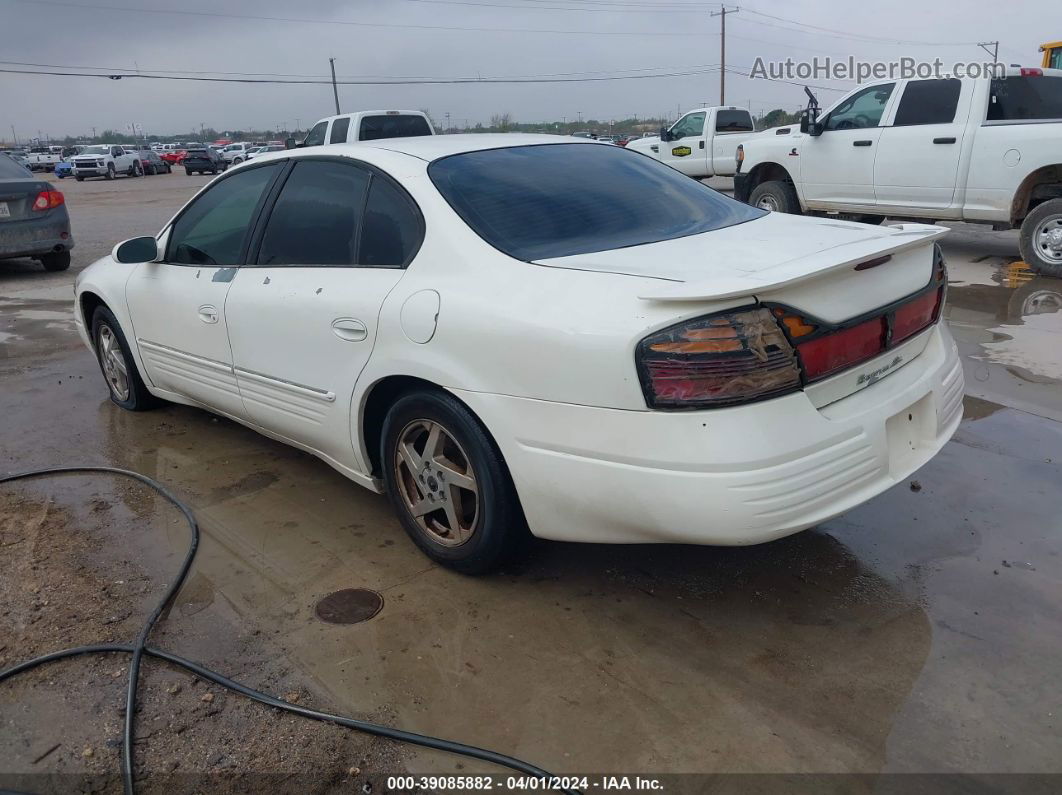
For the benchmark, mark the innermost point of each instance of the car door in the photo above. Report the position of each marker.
(837, 167)
(303, 317)
(730, 127)
(918, 155)
(685, 151)
(177, 305)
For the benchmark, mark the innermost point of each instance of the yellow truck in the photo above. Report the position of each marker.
(1052, 55)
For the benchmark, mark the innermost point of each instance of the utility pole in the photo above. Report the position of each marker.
(723, 11)
(984, 45)
(298, 124)
(93, 133)
(335, 90)
(14, 136)
(447, 121)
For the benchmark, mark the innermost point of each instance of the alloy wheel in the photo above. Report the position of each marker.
(113, 363)
(437, 482)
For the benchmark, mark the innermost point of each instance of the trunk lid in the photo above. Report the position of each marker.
(18, 196)
(807, 263)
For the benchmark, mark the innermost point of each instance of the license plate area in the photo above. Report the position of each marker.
(910, 434)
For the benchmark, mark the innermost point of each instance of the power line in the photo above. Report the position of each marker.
(648, 9)
(351, 23)
(846, 35)
(390, 82)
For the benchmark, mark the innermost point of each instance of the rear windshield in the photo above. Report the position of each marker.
(1025, 98)
(373, 128)
(733, 121)
(556, 200)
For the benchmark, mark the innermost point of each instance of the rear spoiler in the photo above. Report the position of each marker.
(737, 283)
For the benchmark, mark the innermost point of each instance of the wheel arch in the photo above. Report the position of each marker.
(375, 403)
(1041, 185)
(766, 172)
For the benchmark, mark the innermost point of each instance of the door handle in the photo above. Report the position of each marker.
(350, 329)
(943, 140)
(701, 144)
(208, 313)
(862, 143)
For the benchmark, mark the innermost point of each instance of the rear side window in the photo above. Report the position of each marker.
(317, 216)
(1025, 99)
(558, 200)
(339, 131)
(212, 230)
(928, 102)
(316, 136)
(373, 128)
(9, 169)
(392, 230)
(733, 121)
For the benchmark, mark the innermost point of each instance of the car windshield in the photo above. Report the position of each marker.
(558, 200)
(97, 150)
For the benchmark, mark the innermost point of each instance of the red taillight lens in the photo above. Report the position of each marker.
(911, 318)
(840, 349)
(736, 357)
(47, 199)
(1031, 71)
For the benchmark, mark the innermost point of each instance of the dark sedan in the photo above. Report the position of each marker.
(152, 163)
(204, 160)
(33, 218)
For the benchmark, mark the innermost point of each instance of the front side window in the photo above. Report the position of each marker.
(374, 128)
(1025, 99)
(692, 124)
(558, 200)
(339, 131)
(317, 216)
(316, 136)
(861, 110)
(213, 229)
(928, 102)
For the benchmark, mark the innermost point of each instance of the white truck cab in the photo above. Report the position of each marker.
(976, 150)
(367, 125)
(702, 143)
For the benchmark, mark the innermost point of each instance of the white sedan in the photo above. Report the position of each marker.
(529, 333)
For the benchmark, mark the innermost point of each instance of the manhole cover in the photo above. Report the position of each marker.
(349, 606)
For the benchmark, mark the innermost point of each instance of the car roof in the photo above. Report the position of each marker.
(433, 147)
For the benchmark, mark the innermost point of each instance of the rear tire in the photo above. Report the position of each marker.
(58, 261)
(112, 353)
(464, 476)
(776, 196)
(1040, 239)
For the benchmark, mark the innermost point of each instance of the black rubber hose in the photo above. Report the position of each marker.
(140, 648)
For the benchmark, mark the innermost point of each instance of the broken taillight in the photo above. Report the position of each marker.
(733, 357)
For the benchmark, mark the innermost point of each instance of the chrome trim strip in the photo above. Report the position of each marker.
(310, 391)
(213, 363)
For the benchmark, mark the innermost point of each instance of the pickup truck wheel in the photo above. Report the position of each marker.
(1041, 239)
(188, 171)
(775, 196)
(79, 179)
(237, 160)
(56, 262)
(110, 171)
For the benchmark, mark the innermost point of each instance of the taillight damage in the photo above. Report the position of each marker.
(766, 350)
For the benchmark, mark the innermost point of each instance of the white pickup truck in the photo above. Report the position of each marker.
(702, 143)
(44, 158)
(106, 160)
(977, 150)
(366, 125)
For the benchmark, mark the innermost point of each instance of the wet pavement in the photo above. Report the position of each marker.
(918, 633)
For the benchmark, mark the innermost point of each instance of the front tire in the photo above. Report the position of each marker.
(449, 484)
(776, 196)
(110, 171)
(124, 383)
(1040, 240)
(59, 261)
(188, 171)
(79, 179)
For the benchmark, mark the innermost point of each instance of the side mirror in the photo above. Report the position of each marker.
(804, 122)
(665, 135)
(135, 250)
(290, 143)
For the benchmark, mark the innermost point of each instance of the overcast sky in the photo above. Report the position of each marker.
(669, 35)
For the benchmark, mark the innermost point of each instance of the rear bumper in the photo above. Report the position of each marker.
(742, 188)
(36, 236)
(733, 476)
